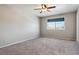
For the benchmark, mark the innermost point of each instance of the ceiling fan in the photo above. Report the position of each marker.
(44, 8)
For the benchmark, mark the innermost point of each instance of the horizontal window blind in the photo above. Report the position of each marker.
(56, 20)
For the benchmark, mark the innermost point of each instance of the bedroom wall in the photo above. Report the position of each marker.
(70, 27)
(17, 23)
(77, 31)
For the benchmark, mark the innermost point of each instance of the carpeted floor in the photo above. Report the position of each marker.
(42, 46)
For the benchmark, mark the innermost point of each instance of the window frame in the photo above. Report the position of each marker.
(55, 25)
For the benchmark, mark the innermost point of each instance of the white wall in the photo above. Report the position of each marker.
(17, 23)
(70, 27)
(77, 32)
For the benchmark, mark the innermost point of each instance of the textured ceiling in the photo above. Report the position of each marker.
(60, 9)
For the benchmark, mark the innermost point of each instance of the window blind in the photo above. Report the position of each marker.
(56, 20)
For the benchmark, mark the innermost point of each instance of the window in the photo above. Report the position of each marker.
(55, 24)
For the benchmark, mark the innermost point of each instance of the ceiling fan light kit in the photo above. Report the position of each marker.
(45, 8)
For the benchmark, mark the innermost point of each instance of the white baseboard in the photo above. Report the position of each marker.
(32, 37)
(14, 43)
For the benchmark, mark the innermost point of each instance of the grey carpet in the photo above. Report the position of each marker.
(42, 46)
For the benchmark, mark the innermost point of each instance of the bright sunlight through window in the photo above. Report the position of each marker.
(55, 24)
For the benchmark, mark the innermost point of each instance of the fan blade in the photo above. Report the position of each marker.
(38, 9)
(51, 7)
